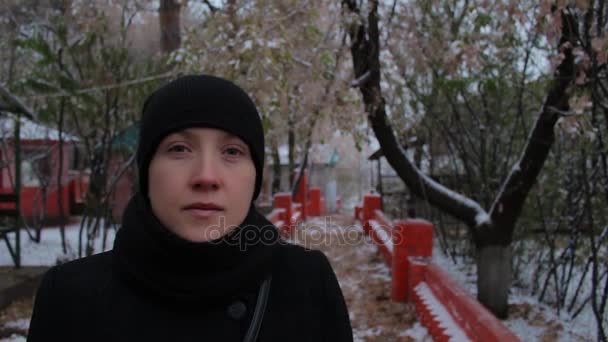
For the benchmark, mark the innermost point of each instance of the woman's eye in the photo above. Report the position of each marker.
(177, 148)
(233, 151)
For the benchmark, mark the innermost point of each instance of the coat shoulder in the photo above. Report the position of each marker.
(305, 288)
(69, 292)
(81, 276)
(299, 257)
(302, 265)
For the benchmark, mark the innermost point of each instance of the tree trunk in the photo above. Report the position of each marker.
(276, 169)
(170, 34)
(303, 165)
(12, 54)
(59, 178)
(291, 144)
(494, 278)
(493, 230)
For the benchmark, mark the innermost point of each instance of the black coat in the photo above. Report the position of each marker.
(89, 300)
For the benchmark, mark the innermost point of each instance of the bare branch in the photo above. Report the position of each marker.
(301, 61)
(107, 87)
(212, 8)
(19, 105)
(361, 80)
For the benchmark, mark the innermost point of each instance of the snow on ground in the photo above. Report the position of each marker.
(49, 249)
(441, 314)
(529, 319)
(22, 323)
(15, 320)
(416, 333)
(585, 323)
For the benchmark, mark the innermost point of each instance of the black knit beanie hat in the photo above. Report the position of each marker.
(199, 101)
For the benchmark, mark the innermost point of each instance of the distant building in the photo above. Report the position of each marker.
(40, 169)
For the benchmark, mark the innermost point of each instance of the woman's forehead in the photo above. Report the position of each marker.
(195, 133)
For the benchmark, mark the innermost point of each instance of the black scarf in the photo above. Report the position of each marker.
(153, 259)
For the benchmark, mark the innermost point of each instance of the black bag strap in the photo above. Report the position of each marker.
(258, 314)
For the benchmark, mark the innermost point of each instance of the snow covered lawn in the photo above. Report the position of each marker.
(49, 250)
(528, 319)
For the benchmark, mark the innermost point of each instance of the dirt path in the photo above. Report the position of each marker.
(364, 278)
(14, 320)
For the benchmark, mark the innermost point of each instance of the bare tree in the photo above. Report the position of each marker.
(492, 229)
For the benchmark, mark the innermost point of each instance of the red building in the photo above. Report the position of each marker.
(40, 171)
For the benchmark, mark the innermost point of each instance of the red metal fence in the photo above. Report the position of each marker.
(445, 308)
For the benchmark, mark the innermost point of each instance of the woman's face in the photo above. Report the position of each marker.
(201, 183)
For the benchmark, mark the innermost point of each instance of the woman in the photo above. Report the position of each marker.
(194, 260)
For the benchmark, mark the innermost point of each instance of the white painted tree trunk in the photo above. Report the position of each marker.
(494, 274)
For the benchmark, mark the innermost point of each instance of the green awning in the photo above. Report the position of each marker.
(127, 138)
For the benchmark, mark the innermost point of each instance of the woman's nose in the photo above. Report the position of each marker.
(205, 174)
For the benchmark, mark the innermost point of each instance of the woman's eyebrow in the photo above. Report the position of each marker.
(183, 134)
(229, 137)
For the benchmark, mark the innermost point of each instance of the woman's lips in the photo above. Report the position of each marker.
(203, 210)
(203, 213)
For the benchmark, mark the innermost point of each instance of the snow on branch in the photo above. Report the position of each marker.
(481, 217)
(361, 80)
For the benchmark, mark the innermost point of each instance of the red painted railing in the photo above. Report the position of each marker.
(445, 308)
(289, 211)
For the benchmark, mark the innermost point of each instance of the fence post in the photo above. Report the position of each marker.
(358, 210)
(416, 267)
(411, 238)
(301, 194)
(283, 200)
(371, 202)
(322, 206)
(315, 201)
